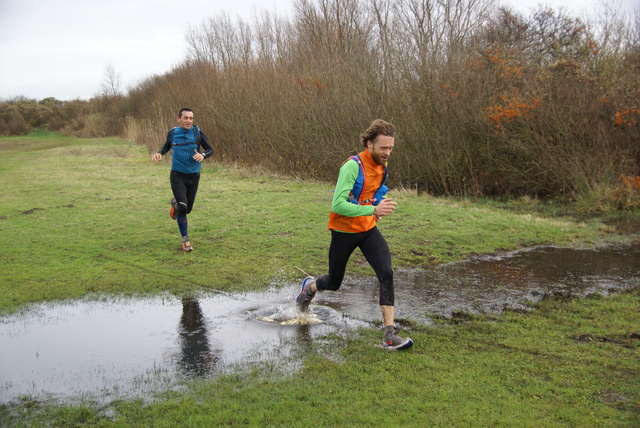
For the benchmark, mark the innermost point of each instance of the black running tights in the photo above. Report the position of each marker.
(374, 248)
(184, 187)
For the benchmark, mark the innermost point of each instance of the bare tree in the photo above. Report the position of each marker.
(111, 86)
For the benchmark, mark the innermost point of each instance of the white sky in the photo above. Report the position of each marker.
(61, 48)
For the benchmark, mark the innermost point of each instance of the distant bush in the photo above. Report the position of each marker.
(11, 121)
(20, 116)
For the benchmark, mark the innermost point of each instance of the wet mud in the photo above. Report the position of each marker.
(113, 348)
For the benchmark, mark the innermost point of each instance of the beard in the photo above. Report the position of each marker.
(377, 158)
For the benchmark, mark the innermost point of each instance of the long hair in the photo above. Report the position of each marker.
(377, 127)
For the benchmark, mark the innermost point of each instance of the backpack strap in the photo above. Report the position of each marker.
(354, 195)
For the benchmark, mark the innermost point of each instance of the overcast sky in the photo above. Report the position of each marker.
(62, 48)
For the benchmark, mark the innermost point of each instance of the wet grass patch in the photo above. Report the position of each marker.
(516, 370)
(98, 223)
(102, 228)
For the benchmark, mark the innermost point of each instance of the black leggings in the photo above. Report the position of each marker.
(184, 187)
(375, 250)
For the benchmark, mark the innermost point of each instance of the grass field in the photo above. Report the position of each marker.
(83, 217)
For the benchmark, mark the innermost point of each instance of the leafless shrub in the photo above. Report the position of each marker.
(487, 101)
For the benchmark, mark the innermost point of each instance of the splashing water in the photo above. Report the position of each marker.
(288, 315)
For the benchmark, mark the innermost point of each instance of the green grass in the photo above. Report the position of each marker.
(81, 217)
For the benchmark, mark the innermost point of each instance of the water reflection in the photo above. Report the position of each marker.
(136, 347)
(122, 348)
(197, 359)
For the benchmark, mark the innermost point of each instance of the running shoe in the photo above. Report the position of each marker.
(306, 295)
(173, 210)
(393, 342)
(186, 245)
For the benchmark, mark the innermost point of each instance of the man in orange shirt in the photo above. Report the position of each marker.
(358, 204)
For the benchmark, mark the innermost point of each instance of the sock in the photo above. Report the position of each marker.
(183, 225)
(388, 332)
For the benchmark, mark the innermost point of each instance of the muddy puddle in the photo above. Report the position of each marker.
(113, 348)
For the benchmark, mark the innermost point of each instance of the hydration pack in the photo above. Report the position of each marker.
(354, 195)
(196, 131)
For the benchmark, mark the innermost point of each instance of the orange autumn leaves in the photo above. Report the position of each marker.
(627, 118)
(628, 196)
(511, 107)
(510, 104)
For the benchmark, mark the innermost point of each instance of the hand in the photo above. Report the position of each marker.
(385, 207)
(156, 157)
(198, 157)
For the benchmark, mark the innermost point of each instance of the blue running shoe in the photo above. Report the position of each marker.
(306, 295)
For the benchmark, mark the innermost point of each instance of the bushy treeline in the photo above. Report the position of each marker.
(487, 101)
(98, 117)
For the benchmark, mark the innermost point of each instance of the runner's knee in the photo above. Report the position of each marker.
(182, 209)
(386, 275)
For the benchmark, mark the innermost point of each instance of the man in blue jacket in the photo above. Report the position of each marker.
(190, 147)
